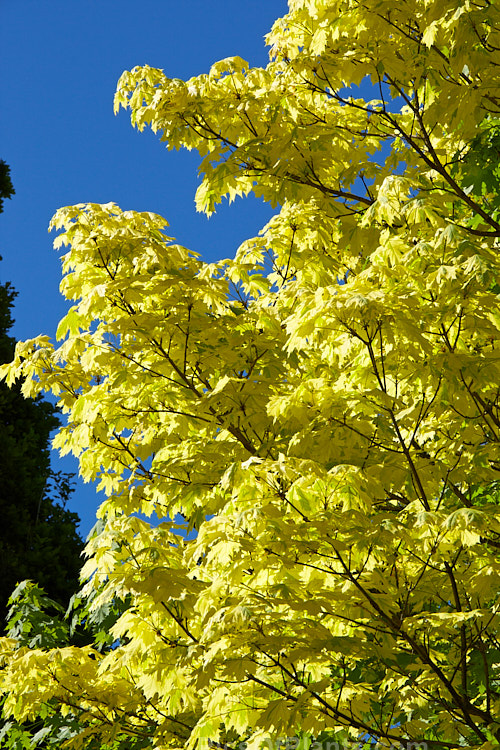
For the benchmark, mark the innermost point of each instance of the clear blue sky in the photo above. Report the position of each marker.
(60, 64)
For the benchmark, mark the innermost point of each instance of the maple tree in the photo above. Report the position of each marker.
(323, 408)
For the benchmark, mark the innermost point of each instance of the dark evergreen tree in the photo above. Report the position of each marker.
(6, 187)
(38, 534)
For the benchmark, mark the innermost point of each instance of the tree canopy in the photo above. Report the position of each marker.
(323, 408)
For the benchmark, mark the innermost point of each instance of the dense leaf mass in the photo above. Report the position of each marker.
(323, 409)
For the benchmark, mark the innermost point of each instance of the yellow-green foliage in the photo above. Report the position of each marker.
(323, 408)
